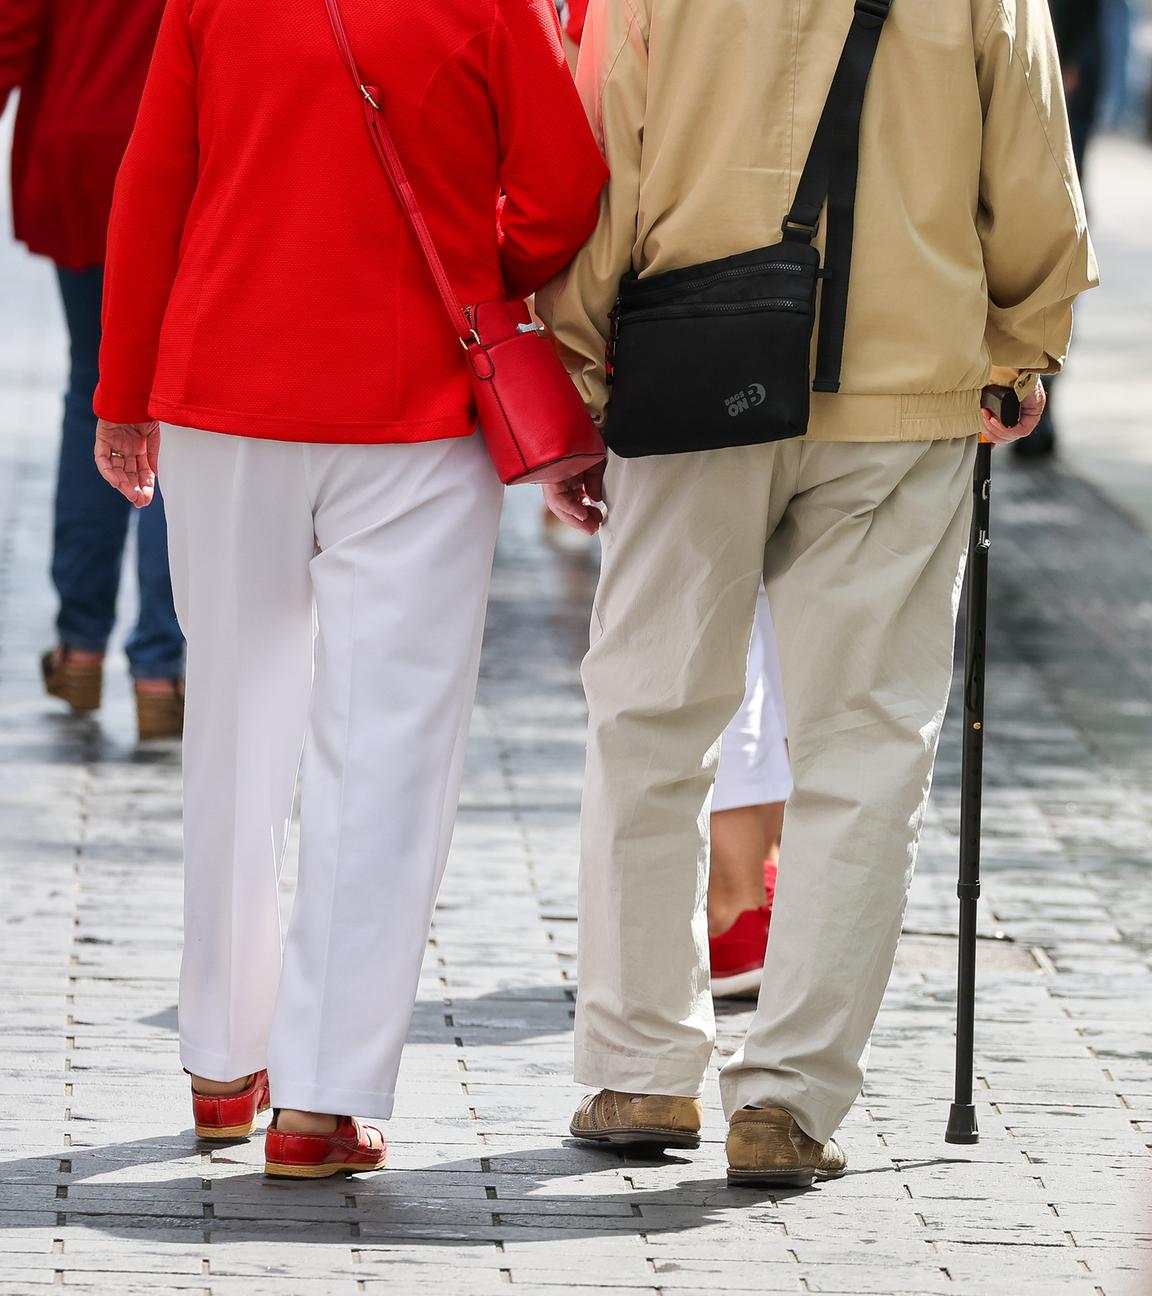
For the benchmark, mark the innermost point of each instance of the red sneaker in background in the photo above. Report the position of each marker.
(770, 880)
(737, 955)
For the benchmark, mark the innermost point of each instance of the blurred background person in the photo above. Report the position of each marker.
(753, 781)
(1079, 37)
(753, 778)
(572, 14)
(574, 22)
(1078, 25)
(1116, 98)
(80, 67)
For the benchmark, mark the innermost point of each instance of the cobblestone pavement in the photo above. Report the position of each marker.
(103, 1188)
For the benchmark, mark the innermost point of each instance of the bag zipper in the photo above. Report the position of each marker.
(704, 308)
(737, 272)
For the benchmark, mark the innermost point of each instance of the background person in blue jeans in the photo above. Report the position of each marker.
(80, 66)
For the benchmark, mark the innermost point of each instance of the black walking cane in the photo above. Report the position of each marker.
(962, 1118)
(1004, 403)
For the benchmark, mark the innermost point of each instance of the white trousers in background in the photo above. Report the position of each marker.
(753, 768)
(389, 548)
(860, 547)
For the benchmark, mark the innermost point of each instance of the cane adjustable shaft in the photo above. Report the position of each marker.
(962, 1126)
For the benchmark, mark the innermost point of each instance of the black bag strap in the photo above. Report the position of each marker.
(830, 173)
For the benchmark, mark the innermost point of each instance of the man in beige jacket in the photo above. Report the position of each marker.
(970, 248)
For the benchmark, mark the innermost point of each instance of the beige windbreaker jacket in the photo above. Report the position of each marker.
(971, 242)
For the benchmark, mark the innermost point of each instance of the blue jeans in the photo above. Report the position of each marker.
(1116, 107)
(92, 519)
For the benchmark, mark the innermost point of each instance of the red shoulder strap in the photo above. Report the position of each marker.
(394, 169)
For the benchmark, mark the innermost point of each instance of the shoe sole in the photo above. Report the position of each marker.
(225, 1132)
(744, 985)
(781, 1178)
(277, 1170)
(639, 1137)
(158, 732)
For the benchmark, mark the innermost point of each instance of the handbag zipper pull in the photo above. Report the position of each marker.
(475, 340)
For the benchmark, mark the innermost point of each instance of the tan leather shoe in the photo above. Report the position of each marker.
(766, 1146)
(655, 1120)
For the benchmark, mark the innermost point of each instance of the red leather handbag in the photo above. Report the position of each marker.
(534, 424)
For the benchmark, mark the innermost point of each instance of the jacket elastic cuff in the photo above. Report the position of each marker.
(1003, 376)
(1023, 380)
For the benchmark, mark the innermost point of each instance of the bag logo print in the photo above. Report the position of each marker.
(746, 400)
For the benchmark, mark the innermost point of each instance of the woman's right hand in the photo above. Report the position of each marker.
(127, 456)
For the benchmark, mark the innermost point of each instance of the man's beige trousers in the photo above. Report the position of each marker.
(861, 547)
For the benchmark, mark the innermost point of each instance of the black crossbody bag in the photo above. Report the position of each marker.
(718, 354)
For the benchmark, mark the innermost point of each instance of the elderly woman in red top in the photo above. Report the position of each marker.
(268, 302)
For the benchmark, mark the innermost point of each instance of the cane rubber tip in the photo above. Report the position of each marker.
(962, 1124)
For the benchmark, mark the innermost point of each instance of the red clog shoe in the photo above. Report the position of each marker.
(231, 1116)
(352, 1148)
(737, 955)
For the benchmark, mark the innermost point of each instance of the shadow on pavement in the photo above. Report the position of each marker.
(466, 1201)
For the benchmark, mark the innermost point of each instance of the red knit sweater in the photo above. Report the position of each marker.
(262, 279)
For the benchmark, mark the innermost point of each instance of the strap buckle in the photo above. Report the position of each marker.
(872, 12)
(366, 91)
(799, 231)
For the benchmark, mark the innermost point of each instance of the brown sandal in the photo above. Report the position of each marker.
(80, 685)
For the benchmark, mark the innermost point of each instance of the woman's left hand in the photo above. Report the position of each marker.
(127, 455)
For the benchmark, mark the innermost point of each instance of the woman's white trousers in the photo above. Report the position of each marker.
(333, 598)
